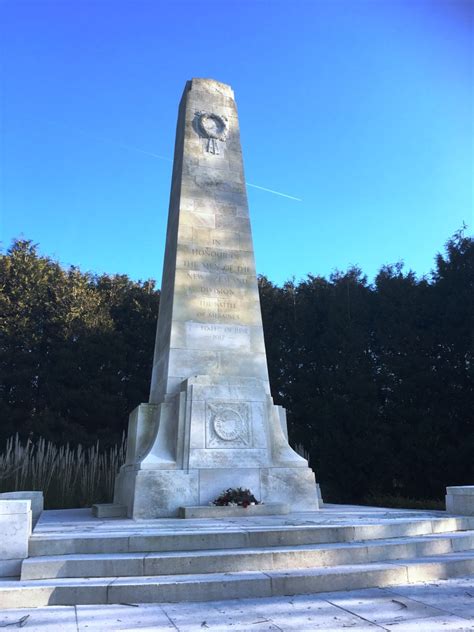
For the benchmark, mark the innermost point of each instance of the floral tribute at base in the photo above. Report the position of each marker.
(236, 498)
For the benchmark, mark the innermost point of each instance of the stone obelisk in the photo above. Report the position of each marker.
(210, 423)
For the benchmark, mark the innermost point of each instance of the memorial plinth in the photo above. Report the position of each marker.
(210, 423)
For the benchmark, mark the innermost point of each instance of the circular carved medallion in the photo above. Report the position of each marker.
(228, 424)
(213, 126)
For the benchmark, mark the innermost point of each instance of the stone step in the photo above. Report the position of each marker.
(248, 559)
(206, 587)
(195, 538)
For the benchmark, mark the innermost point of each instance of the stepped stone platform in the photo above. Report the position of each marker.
(441, 606)
(76, 558)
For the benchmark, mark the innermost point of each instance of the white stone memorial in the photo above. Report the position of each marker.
(460, 500)
(36, 498)
(15, 530)
(210, 423)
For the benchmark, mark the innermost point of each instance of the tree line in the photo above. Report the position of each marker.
(377, 378)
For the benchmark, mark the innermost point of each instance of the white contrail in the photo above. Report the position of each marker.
(142, 151)
(285, 195)
(160, 157)
(110, 141)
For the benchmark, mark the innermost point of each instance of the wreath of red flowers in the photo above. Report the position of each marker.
(240, 497)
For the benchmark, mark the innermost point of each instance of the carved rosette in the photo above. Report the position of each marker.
(213, 127)
(228, 425)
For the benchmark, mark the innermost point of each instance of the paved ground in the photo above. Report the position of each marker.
(80, 523)
(70, 522)
(445, 605)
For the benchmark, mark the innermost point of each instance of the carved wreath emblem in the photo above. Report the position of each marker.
(229, 422)
(213, 127)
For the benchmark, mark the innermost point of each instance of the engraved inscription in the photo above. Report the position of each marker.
(218, 315)
(215, 260)
(217, 336)
(209, 252)
(217, 298)
(228, 425)
(221, 279)
(218, 309)
(181, 490)
(218, 291)
(216, 267)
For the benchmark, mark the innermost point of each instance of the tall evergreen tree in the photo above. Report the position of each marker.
(377, 379)
(74, 348)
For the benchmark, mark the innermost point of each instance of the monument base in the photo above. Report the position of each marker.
(234, 511)
(160, 493)
(214, 434)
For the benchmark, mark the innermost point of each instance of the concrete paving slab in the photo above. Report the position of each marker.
(225, 615)
(449, 623)
(307, 612)
(452, 596)
(40, 619)
(427, 609)
(381, 606)
(264, 614)
(143, 617)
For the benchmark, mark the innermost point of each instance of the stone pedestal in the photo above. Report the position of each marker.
(15, 530)
(36, 498)
(210, 423)
(214, 434)
(460, 500)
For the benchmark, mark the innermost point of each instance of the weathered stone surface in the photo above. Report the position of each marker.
(215, 481)
(15, 529)
(109, 510)
(460, 490)
(445, 605)
(10, 568)
(293, 485)
(320, 496)
(212, 511)
(36, 498)
(210, 422)
(157, 491)
(460, 500)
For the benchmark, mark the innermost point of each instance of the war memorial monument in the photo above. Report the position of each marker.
(210, 422)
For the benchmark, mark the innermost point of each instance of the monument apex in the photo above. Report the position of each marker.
(210, 422)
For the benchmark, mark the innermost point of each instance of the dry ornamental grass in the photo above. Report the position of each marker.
(68, 476)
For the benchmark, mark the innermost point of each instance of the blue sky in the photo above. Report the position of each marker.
(362, 109)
